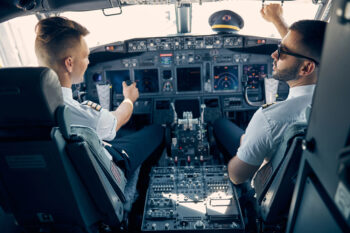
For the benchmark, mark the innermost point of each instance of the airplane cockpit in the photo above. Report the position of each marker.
(186, 72)
(193, 62)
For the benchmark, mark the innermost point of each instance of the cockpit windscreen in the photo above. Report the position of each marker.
(116, 78)
(188, 79)
(226, 78)
(147, 80)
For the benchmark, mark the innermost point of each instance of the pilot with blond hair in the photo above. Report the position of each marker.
(60, 45)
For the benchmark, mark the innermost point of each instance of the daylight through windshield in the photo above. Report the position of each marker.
(142, 21)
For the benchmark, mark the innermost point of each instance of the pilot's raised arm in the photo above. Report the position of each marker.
(296, 61)
(274, 13)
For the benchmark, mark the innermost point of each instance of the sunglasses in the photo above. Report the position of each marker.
(281, 50)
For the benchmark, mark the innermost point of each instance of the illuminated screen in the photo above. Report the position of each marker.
(166, 59)
(254, 73)
(147, 80)
(188, 79)
(225, 78)
(116, 78)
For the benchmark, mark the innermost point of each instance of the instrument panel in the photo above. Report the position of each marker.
(213, 69)
(205, 74)
(183, 43)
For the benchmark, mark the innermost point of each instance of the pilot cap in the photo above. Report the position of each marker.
(226, 21)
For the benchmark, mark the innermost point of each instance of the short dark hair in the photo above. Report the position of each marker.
(54, 36)
(312, 36)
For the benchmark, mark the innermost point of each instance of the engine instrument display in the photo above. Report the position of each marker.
(226, 78)
(188, 79)
(147, 80)
(116, 78)
(166, 59)
(254, 73)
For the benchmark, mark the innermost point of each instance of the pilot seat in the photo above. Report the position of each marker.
(275, 181)
(54, 177)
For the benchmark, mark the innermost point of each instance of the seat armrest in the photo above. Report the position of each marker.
(113, 173)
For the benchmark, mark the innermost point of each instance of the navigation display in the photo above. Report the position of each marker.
(188, 79)
(116, 78)
(226, 78)
(147, 80)
(254, 73)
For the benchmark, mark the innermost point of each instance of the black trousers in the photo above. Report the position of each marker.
(130, 151)
(227, 135)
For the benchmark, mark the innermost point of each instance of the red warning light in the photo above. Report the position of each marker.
(166, 55)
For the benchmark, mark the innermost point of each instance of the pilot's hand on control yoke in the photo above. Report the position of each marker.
(131, 92)
(272, 12)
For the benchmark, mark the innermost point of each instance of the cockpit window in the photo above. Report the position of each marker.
(250, 12)
(17, 35)
(17, 42)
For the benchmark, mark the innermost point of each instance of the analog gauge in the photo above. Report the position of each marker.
(167, 86)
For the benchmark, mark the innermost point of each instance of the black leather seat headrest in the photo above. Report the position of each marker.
(29, 96)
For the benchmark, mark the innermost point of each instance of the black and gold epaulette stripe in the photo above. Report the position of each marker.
(267, 105)
(93, 105)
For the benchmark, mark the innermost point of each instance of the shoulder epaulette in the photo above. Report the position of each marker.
(267, 105)
(92, 105)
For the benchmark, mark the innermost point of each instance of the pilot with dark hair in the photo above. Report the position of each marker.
(60, 45)
(297, 62)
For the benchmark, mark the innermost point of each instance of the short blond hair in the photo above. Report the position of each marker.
(54, 37)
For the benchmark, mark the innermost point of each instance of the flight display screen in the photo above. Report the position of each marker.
(226, 78)
(166, 59)
(254, 73)
(188, 79)
(116, 78)
(147, 80)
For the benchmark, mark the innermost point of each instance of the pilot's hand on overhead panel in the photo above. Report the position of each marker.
(130, 92)
(272, 12)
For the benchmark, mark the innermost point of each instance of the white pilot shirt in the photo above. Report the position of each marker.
(265, 130)
(93, 116)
